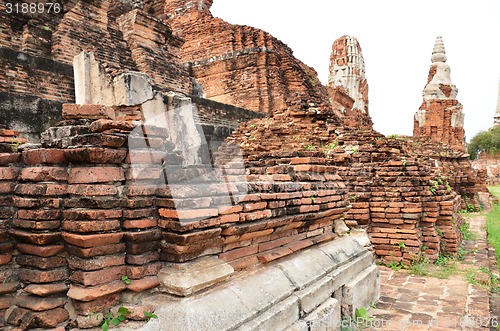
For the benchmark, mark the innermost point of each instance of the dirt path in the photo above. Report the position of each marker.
(410, 302)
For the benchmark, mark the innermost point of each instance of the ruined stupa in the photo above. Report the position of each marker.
(440, 116)
(347, 70)
(347, 85)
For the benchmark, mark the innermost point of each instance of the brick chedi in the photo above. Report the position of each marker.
(440, 116)
(347, 85)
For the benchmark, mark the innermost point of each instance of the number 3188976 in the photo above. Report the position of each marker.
(33, 8)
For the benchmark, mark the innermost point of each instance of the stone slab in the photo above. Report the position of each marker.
(325, 317)
(279, 317)
(193, 276)
(313, 264)
(363, 290)
(275, 296)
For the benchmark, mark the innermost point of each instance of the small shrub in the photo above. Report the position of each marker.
(397, 265)
(420, 266)
(150, 315)
(126, 280)
(471, 276)
(109, 319)
(14, 146)
(462, 252)
(353, 198)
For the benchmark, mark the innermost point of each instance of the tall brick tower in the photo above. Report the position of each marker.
(496, 118)
(440, 116)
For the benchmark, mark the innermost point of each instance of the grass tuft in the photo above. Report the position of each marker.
(493, 223)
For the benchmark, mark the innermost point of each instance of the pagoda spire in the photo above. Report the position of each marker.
(439, 53)
(439, 85)
(496, 118)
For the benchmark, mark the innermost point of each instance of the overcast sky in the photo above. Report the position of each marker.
(397, 38)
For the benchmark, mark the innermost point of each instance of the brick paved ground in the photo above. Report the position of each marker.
(415, 303)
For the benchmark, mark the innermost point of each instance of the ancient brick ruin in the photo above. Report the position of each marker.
(204, 162)
(440, 116)
(347, 85)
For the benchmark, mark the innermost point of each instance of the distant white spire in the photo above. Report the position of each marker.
(439, 85)
(497, 113)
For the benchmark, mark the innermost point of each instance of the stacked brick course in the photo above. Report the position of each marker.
(456, 170)
(9, 172)
(36, 226)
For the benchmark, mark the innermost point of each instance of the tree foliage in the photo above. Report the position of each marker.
(485, 142)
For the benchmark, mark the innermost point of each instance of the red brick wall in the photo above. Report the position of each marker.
(456, 170)
(90, 26)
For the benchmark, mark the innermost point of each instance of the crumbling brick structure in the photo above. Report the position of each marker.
(241, 65)
(92, 205)
(43, 46)
(491, 166)
(395, 196)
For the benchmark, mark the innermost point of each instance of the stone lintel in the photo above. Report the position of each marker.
(185, 279)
